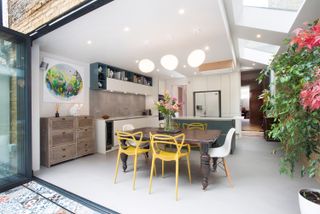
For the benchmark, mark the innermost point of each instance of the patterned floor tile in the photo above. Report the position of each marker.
(33, 198)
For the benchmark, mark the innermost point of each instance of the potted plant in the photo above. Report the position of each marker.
(168, 106)
(295, 105)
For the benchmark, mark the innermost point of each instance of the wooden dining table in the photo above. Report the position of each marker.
(203, 137)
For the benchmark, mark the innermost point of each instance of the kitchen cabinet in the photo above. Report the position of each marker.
(102, 135)
(66, 138)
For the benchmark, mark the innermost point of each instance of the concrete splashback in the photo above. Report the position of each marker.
(116, 104)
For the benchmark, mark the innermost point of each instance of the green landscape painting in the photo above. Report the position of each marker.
(63, 81)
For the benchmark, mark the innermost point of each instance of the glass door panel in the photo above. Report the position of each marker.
(15, 133)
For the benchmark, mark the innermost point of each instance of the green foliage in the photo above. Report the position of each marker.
(298, 129)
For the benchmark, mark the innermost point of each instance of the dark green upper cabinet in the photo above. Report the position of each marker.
(99, 73)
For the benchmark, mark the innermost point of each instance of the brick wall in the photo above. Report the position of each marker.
(27, 15)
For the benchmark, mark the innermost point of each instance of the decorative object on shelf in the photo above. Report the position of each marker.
(57, 110)
(105, 117)
(75, 109)
(63, 82)
(100, 75)
(169, 62)
(168, 107)
(196, 58)
(146, 65)
(295, 104)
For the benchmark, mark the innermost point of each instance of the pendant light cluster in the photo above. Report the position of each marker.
(170, 62)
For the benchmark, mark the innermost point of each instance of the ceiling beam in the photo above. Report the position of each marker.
(216, 65)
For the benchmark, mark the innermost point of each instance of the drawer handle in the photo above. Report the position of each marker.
(63, 118)
(85, 144)
(63, 132)
(63, 156)
(86, 130)
(86, 150)
(63, 149)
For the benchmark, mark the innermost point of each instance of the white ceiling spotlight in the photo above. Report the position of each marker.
(196, 58)
(207, 48)
(258, 36)
(89, 42)
(181, 11)
(146, 65)
(169, 62)
(126, 29)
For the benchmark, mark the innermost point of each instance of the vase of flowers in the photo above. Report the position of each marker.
(168, 106)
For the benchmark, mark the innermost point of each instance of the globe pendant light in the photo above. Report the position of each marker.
(196, 58)
(169, 62)
(146, 65)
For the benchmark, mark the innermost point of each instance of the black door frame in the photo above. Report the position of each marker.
(27, 144)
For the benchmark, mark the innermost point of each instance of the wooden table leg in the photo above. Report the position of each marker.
(205, 165)
(124, 159)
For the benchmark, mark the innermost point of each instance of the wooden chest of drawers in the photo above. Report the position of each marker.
(66, 138)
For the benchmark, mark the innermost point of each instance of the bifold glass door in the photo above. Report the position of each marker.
(15, 126)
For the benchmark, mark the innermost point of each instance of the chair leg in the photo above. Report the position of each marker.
(151, 174)
(162, 168)
(177, 178)
(189, 171)
(226, 169)
(117, 167)
(134, 172)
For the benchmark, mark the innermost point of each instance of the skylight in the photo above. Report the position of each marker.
(290, 5)
(257, 51)
(273, 15)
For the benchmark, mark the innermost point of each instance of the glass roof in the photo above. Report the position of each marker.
(273, 15)
(257, 51)
(290, 5)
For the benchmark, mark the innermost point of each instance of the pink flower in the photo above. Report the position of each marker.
(310, 95)
(308, 38)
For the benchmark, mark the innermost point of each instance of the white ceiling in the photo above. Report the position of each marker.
(156, 29)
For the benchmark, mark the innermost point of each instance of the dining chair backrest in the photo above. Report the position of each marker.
(195, 126)
(160, 141)
(127, 127)
(126, 139)
(228, 141)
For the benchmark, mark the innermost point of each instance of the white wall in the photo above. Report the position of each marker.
(151, 99)
(229, 85)
(48, 109)
(43, 109)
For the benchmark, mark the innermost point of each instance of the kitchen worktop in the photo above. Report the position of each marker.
(208, 118)
(127, 117)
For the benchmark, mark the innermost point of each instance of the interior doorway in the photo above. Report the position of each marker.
(250, 102)
(182, 98)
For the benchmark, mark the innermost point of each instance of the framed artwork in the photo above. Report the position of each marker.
(63, 82)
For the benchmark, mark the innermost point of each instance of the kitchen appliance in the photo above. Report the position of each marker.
(109, 135)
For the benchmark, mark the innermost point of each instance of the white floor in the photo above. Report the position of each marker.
(258, 186)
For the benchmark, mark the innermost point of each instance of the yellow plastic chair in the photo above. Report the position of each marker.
(158, 153)
(130, 144)
(195, 126)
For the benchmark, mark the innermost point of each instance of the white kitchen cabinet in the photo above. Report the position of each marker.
(128, 87)
(137, 122)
